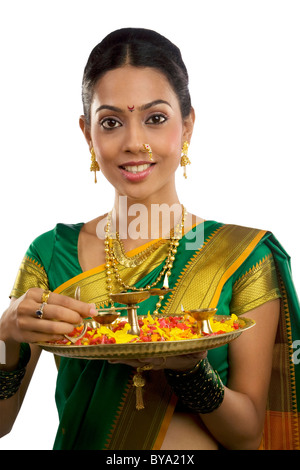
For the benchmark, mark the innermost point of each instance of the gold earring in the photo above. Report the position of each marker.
(94, 165)
(184, 157)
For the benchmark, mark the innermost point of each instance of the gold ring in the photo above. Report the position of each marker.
(45, 296)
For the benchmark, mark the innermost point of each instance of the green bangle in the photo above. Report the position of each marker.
(10, 381)
(200, 389)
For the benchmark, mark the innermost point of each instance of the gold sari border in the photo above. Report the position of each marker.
(165, 423)
(292, 394)
(229, 246)
(140, 249)
(189, 266)
(279, 433)
(134, 429)
(100, 269)
(30, 274)
(34, 262)
(235, 265)
(255, 287)
(119, 411)
(79, 277)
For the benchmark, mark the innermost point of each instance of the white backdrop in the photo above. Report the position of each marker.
(243, 61)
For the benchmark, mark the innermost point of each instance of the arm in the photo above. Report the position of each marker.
(19, 324)
(238, 422)
(10, 408)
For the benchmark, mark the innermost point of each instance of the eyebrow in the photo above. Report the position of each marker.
(141, 108)
(110, 108)
(153, 103)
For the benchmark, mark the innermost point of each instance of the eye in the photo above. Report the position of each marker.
(110, 123)
(157, 119)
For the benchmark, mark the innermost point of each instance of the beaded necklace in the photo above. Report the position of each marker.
(115, 256)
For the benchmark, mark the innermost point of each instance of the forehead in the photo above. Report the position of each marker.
(131, 85)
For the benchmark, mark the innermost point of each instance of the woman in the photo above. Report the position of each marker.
(138, 122)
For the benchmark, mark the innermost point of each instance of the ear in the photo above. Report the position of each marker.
(188, 126)
(86, 131)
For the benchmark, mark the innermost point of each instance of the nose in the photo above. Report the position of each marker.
(133, 139)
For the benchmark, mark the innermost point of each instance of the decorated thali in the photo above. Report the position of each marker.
(148, 349)
(129, 343)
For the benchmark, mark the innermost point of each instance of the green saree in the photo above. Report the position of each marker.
(233, 268)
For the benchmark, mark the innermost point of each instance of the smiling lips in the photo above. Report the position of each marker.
(136, 168)
(136, 171)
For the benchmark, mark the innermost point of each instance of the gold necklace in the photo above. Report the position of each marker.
(130, 261)
(112, 261)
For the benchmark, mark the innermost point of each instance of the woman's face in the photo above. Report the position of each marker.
(133, 106)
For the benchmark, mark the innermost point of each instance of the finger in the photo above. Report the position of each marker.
(84, 309)
(34, 337)
(49, 327)
(35, 293)
(59, 313)
(30, 309)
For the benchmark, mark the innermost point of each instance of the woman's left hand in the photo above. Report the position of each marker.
(182, 362)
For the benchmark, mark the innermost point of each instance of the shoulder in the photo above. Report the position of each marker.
(41, 248)
(243, 246)
(236, 237)
(254, 240)
(256, 247)
(47, 238)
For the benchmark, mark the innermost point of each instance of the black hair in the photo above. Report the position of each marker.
(140, 48)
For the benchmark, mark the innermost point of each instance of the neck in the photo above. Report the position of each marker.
(146, 218)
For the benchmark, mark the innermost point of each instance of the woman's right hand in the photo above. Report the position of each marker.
(20, 323)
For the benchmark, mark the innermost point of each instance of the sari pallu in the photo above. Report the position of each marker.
(96, 400)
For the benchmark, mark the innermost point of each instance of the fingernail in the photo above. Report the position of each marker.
(93, 311)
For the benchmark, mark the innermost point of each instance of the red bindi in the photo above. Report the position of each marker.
(131, 108)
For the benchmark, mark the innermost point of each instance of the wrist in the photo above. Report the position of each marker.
(200, 388)
(10, 354)
(10, 380)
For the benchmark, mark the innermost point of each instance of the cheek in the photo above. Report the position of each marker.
(172, 144)
(104, 145)
(104, 149)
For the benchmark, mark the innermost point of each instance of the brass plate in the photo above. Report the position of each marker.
(142, 350)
